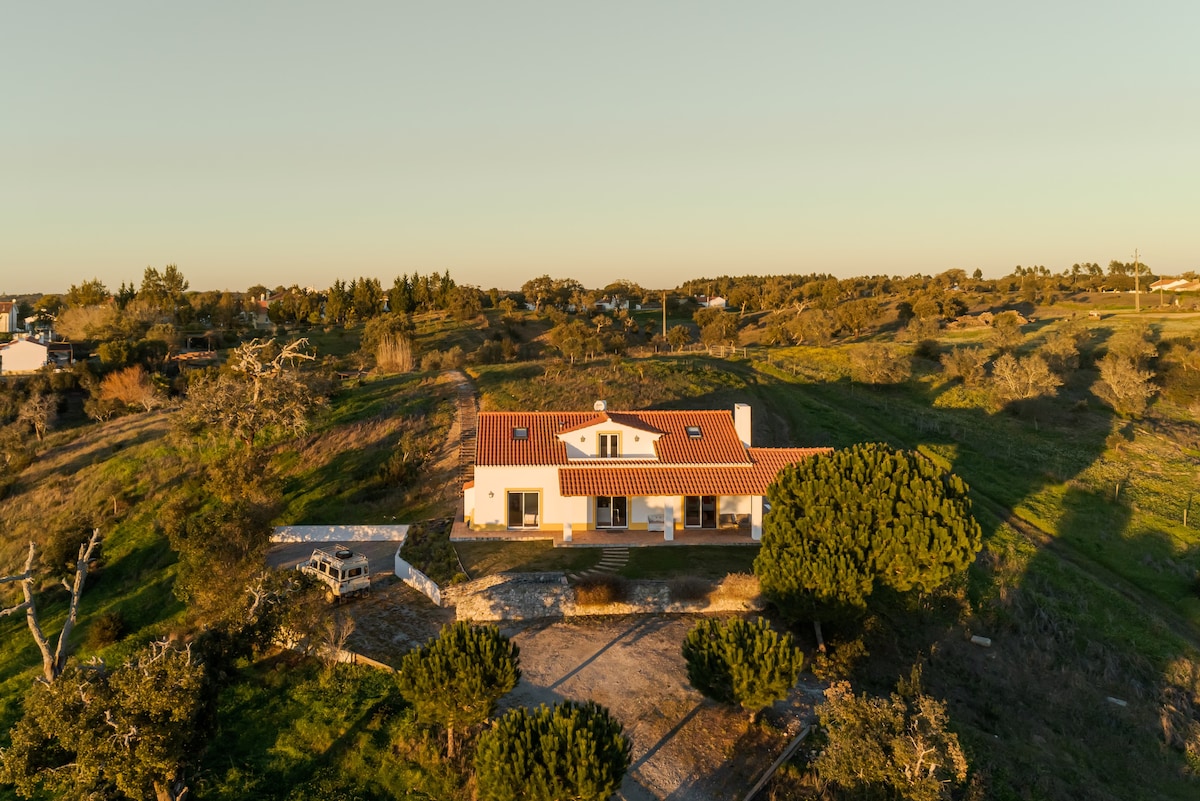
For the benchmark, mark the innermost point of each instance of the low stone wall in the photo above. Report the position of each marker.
(530, 596)
(339, 533)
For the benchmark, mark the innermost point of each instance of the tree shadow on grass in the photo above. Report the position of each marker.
(1073, 615)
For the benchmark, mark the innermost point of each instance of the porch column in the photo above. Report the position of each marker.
(756, 517)
(566, 532)
(669, 523)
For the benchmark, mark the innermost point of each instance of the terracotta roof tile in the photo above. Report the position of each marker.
(717, 445)
(749, 479)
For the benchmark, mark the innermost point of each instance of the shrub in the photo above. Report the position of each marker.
(600, 589)
(689, 588)
(431, 361)
(737, 587)
(839, 662)
(107, 629)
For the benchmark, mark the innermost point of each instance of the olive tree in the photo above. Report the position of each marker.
(134, 728)
(901, 744)
(263, 389)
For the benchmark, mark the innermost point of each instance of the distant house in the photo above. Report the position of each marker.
(23, 356)
(27, 355)
(1175, 285)
(711, 302)
(602, 470)
(612, 304)
(10, 321)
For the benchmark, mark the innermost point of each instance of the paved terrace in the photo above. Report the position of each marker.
(585, 538)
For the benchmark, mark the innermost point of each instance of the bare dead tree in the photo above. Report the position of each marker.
(53, 660)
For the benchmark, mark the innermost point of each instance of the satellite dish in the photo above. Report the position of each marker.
(600, 405)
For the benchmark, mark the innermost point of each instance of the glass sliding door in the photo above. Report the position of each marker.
(700, 511)
(612, 512)
(523, 510)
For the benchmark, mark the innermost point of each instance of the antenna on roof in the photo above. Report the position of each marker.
(600, 406)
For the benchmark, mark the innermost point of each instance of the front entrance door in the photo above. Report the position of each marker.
(700, 511)
(522, 510)
(612, 512)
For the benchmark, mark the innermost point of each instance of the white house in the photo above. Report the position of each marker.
(711, 302)
(609, 470)
(10, 322)
(23, 356)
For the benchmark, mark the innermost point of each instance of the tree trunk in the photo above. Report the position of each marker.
(820, 639)
(86, 553)
(450, 741)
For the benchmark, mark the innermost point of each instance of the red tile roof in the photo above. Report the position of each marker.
(750, 479)
(718, 443)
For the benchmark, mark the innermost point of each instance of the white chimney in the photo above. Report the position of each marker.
(741, 422)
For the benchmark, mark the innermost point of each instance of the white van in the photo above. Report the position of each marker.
(344, 573)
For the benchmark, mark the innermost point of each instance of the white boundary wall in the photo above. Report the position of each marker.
(348, 534)
(416, 579)
(339, 533)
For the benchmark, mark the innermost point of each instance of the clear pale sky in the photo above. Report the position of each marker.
(299, 142)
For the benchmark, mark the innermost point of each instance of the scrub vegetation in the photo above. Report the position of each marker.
(1081, 451)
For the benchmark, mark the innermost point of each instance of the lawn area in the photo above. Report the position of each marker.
(701, 561)
(486, 558)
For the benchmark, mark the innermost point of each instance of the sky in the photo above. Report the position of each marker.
(300, 142)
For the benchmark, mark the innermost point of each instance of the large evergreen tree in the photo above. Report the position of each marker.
(573, 751)
(738, 662)
(843, 523)
(456, 680)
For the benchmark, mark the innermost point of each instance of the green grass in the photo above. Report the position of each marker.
(659, 381)
(427, 548)
(487, 558)
(292, 731)
(701, 561)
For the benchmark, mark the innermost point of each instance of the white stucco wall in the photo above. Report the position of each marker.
(339, 533)
(633, 442)
(492, 485)
(22, 356)
(491, 513)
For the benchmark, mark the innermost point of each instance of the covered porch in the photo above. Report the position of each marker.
(607, 538)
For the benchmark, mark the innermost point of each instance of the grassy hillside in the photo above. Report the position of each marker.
(1087, 584)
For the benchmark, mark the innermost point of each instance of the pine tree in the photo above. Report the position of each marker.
(843, 523)
(456, 680)
(739, 662)
(573, 751)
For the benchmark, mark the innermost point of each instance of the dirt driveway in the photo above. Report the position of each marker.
(685, 748)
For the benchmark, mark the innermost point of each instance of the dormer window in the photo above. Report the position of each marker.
(608, 446)
(693, 432)
(521, 433)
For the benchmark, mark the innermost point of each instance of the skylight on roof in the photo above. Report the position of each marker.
(521, 433)
(693, 432)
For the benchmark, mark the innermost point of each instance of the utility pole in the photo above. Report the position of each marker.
(664, 304)
(1137, 284)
